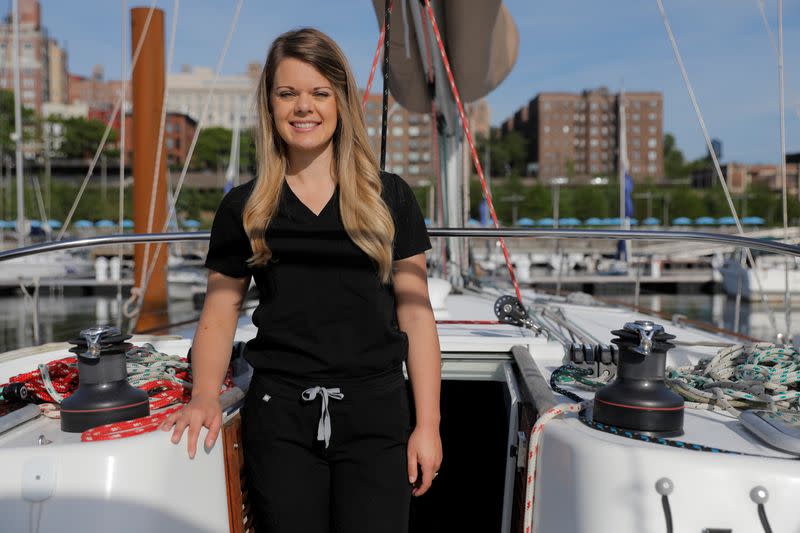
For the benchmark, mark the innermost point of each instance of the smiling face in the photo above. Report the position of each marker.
(304, 107)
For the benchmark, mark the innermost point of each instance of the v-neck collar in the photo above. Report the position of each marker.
(307, 209)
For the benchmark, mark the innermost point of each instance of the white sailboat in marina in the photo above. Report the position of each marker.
(519, 456)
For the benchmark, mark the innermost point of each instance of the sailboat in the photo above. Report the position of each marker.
(556, 410)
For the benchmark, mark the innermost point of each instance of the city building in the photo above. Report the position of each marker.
(576, 135)
(95, 91)
(741, 176)
(43, 63)
(187, 91)
(179, 130)
(408, 139)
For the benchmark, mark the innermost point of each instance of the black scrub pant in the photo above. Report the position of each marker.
(358, 483)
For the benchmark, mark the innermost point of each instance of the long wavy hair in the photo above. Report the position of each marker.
(365, 216)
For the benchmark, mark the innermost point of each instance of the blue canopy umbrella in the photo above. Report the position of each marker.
(545, 222)
(55, 224)
(726, 221)
(191, 223)
(634, 221)
(651, 221)
(525, 221)
(127, 224)
(594, 221)
(36, 224)
(705, 221)
(682, 221)
(473, 222)
(612, 221)
(7, 224)
(427, 222)
(569, 221)
(104, 223)
(753, 221)
(82, 223)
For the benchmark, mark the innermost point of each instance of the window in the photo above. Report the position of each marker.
(397, 131)
(426, 156)
(371, 131)
(413, 169)
(593, 130)
(651, 155)
(28, 95)
(593, 106)
(546, 106)
(413, 131)
(397, 118)
(604, 130)
(604, 143)
(426, 119)
(653, 104)
(652, 116)
(637, 169)
(635, 117)
(652, 130)
(413, 156)
(637, 104)
(651, 143)
(397, 157)
(593, 118)
(651, 169)
(636, 143)
(28, 83)
(637, 130)
(593, 142)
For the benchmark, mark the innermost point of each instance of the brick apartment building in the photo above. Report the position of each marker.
(741, 176)
(43, 63)
(409, 136)
(577, 134)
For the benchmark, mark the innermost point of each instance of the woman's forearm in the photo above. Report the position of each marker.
(424, 364)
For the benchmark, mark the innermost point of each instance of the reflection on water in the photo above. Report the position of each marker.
(720, 310)
(62, 317)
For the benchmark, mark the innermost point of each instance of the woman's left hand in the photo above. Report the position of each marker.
(425, 455)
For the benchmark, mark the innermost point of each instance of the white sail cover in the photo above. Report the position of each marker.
(480, 38)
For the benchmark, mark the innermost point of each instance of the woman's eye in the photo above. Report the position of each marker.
(285, 94)
(322, 95)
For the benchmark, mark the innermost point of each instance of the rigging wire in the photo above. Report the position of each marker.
(385, 111)
(468, 134)
(121, 193)
(110, 123)
(714, 158)
(375, 59)
(786, 296)
(207, 102)
(771, 35)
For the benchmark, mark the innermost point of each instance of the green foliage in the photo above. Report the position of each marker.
(213, 150)
(674, 164)
(79, 137)
(508, 154)
(30, 123)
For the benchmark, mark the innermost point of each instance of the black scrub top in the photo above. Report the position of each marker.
(323, 311)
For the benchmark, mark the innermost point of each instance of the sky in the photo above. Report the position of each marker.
(565, 45)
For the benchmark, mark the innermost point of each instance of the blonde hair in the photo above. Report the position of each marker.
(365, 215)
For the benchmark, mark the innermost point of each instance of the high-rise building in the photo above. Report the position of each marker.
(408, 139)
(42, 61)
(576, 135)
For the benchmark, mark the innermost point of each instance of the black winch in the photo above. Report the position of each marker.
(638, 399)
(104, 394)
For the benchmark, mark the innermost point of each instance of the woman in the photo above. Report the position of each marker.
(336, 248)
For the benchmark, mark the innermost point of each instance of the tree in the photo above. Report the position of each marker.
(213, 150)
(509, 154)
(29, 123)
(674, 163)
(77, 137)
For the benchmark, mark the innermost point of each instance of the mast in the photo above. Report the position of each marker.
(18, 132)
(148, 95)
(624, 222)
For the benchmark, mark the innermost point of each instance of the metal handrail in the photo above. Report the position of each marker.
(634, 235)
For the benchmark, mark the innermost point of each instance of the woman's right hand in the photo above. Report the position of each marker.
(201, 411)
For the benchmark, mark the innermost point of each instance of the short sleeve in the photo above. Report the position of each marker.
(411, 236)
(229, 248)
